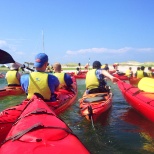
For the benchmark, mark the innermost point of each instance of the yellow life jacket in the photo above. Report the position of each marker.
(103, 66)
(149, 73)
(60, 77)
(38, 83)
(91, 80)
(140, 74)
(128, 73)
(11, 78)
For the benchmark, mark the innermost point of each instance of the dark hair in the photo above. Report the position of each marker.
(97, 64)
(138, 68)
(77, 69)
(142, 68)
(149, 68)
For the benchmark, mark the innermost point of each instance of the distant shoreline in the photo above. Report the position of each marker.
(121, 68)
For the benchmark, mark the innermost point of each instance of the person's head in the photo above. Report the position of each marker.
(149, 68)
(14, 66)
(138, 68)
(41, 61)
(142, 68)
(130, 68)
(77, 68)
(57, 67)
(96, 65)
(79, 64)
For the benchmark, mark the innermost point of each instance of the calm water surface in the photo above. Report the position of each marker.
(121, 130)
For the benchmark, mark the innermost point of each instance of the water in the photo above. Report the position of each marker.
(121, 130)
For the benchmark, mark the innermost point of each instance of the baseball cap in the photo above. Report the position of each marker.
(40, 60)
(97, 64)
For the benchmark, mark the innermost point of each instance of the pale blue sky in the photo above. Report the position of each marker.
(76, 30)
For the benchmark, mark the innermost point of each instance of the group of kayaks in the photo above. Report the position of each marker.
(34, 126)
(38, 130)
(80, 75)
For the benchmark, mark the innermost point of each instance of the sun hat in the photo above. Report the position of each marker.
(97, 64)
(14, 66)
(40, 60)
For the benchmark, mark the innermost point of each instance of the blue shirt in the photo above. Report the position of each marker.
(68, 80)
(98, 73)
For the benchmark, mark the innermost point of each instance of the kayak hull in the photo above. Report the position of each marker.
(92, 106)
(14, 90)
(121, 76)
(81, 75)
(39, 130)
(142, 102)
(8, 116)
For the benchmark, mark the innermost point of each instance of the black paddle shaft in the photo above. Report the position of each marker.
(5, 57)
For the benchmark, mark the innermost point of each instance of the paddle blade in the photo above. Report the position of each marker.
(5, 57)
(146, 84)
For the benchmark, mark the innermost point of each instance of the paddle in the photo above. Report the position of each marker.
(5, 58)
(146, 84)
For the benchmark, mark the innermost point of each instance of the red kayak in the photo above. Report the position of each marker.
(141, 101)
(94, 105)
(38, 130)
(121, 76)
(8, 116)
(134, 80)
(81, 75)
(14, 90)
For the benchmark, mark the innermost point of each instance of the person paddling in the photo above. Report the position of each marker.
(64, 78)
(95, 82)
(141, 73)
(13, 75)
(40, 82)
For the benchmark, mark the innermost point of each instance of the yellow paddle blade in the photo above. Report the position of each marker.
(146, 84)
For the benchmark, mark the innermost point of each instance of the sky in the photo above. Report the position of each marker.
(73, 31)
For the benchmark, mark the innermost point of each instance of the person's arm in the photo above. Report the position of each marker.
(24, 81)
(107, 74)
(53, 83)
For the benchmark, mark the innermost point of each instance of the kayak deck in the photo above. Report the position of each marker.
(141, 101)
(14, 90)
(39, 130)
(93, 105)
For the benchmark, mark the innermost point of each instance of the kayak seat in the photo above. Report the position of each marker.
(94, 99)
